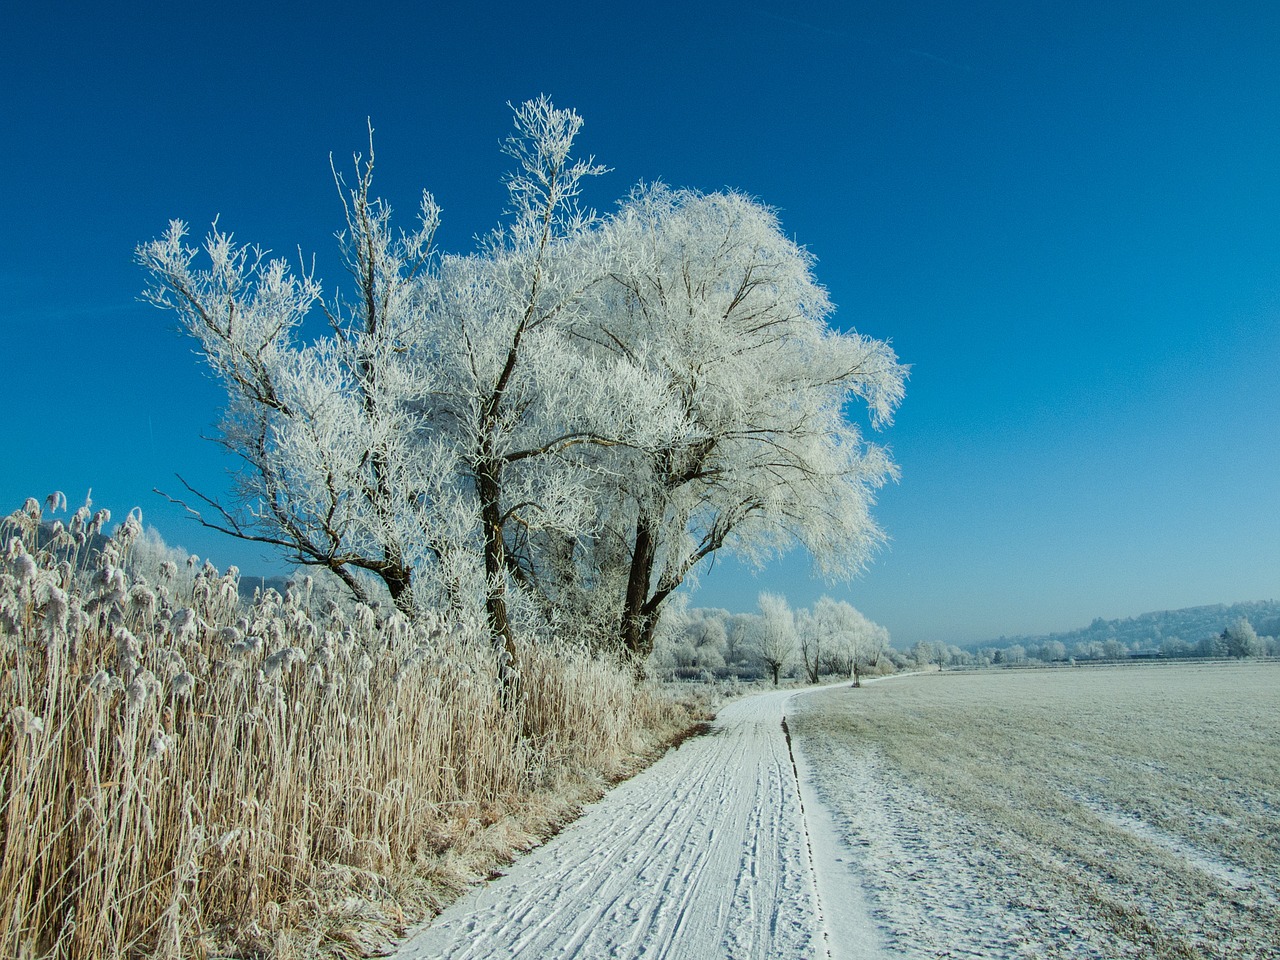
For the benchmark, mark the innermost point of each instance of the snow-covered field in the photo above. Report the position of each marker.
(1100, 812)
(1091, 813)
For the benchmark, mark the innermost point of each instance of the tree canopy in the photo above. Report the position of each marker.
(556, 428)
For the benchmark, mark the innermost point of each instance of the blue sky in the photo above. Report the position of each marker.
(1064, 216)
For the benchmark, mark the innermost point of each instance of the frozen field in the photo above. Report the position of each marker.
(1098, 812)
(1093, 813)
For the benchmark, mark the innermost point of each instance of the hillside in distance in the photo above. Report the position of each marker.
(1150, 630)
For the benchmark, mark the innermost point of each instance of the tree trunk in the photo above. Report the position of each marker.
(648, 628)
(641, 609)
(637, 624)
(399, 581)
(489, 490)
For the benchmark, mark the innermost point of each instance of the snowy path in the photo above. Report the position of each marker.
(709, 853)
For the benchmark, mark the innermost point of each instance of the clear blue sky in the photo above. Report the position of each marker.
(1065, 216)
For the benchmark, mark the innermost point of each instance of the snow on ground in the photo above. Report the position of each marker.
(910, 822)
(933, 890)
(1070, 814)
(703, 855)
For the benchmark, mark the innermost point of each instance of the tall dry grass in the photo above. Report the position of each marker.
(185, 777)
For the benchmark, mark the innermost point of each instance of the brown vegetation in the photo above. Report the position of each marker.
(185, 777)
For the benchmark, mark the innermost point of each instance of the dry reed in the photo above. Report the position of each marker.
(184, 776)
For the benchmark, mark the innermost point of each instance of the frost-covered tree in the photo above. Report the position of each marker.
(555, 429)
(720, 309)
(1112, 649)
(1053, 650)
(512, 392)
(815, 652)
(775, 640)
(852, 642)
(707, 636)
(1014, 653)
(693, 650)
(1240, 639)
(400, 443)
(737, 634)
(335, 467)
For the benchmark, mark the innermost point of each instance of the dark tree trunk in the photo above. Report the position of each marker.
(640, 607)
(637, 624)
(399, 581)
(489, 490)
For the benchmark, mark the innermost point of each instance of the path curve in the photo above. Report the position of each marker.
(704, 854)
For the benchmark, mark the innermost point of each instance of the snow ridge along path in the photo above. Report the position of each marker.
(706, 854)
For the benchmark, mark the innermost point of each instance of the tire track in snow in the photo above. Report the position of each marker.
(704, 854)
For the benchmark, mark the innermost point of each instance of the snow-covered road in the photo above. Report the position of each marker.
(718, 850)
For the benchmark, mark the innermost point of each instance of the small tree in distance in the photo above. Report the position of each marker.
(856, 642)
(1241, 640)
(815, 655)
(775, 642)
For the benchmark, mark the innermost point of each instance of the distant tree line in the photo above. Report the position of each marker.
(831, 640)
(1217, 632)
